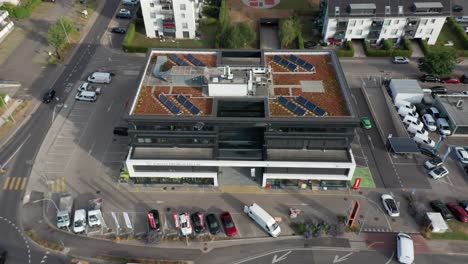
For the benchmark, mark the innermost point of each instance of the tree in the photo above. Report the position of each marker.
(247, 33)
(439, 61)
(289, 30)
(58, 33)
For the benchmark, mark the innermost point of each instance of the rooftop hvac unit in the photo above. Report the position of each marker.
(460, 103)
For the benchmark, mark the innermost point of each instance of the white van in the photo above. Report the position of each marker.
(462, 19)
(94, 218)
(423, 140)
(405, 249)
(407, 119)
(443, 126)
(84, 86)
(266, 221)
(416, 124)
(405, 104)
(417, 130)
(100, 77)
(89, 96)
(402, 111)
(79, 221)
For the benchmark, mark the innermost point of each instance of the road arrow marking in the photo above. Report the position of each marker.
(283, 257)
(343, 258)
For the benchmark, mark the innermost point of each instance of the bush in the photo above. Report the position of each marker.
(300, 41)
(209, 21)
(21, 11)
(346, 51)
(459, 31)
(129, 38)
(386, 44)
(424, 46)
(10, 8)
(406, 50)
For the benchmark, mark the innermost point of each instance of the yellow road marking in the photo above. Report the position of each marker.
(25, 180)
(63, 184)
(18, 183)
(12, 183)
(5, 186)
(52, 186)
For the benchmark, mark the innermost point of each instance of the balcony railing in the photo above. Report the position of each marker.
(376, 25)
(341, 25)
(373, 34)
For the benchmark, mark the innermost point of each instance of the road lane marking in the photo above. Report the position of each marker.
(16, 151)
(63, 184)
(12, 183)
(5, 186)
(18, 183)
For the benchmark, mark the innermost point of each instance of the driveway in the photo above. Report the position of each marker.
(269, 38)
(358, 49)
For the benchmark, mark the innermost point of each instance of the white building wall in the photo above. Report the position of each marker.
(358, 28)
(6, 26)
(429, 28)
(393, 28)
(330, 25)
(185, 20)
(15, 2)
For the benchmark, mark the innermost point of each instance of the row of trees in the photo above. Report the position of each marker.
(59, 33)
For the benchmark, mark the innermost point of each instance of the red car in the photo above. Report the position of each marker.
(458, 211)
(228, 224)
(452, 80)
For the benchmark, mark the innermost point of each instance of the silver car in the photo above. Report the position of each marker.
(439, 172)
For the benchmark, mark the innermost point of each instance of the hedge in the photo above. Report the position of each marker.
(346, 51)
(405, 52)
(459, 31)
(129, 38)
(424, 46)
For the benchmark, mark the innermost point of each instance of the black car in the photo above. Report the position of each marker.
(457, 8)
(154, 223)
(464, 204)
(441, 208)
(3, 257)
(197, 221)
(439, 89)
(429, 78)
(120, 131)
(213, 224)
(118, 30)
(48, 96)
(429, 153)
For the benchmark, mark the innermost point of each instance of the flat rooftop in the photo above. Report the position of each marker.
(308, 155)
(275, 84)
(459, 115)
(172, 153)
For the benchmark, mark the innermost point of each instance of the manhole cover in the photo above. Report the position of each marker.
(173, 188)
(205, 248)
(98, 191)
(168, 209)
(346, 198)
(393, 220)
(376, 218)
(164, 188)
(361, 216)
(360, 193)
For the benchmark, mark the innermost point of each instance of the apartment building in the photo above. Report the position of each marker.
(283, 117)
(171, 18)
(383, 19)
(6, 25)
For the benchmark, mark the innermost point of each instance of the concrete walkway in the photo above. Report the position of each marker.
(358, 49)
(417, 51)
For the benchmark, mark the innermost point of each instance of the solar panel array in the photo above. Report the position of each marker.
(285, 63)
(312, 107)
(178, 60)
(187, 104)
(304, 64)
(167, 103)
(194, 60)
(291, 106)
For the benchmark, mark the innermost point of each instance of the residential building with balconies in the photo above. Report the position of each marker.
(171, 18)
(6, 26)
(383, 19)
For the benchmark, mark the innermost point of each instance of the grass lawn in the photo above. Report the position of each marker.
(295, 4)
(459, 231)
(366, 177)
(447, 34)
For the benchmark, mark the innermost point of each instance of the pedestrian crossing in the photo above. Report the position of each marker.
(15, 183)
(57, 185)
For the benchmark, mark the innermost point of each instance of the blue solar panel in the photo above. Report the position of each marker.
(285, 63)
(187, 104)
(304, 64)
(311, 106)
(194, 60)
(291, 106)
(178, 60)
(167, 103)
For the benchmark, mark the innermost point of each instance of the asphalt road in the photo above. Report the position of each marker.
(21, 150)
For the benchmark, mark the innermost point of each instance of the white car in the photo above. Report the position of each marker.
(429, 122)
(94, 218)
(182, 222)
(124, 11)
(462, 154)
(439, 172)
(390, 205)
(433, 163)
(400, 60)
(79, 221)
(434, 112)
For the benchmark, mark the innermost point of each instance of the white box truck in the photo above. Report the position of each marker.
(406, 90)
(100, 77)
(266, 221)
(64, 212)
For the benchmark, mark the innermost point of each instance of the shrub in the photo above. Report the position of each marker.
(10, 8)
(21, 11)
(405, 51)
(386, 44)
(459, 31)
(127, 46)
(300, 41)
(346, 51)
(424, 46)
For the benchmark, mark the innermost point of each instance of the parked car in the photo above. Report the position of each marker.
(443, 126)
(228, 224)
(439, 172)
(213, 224)
(434, 112)
(458, 211)
(154, 223)
(462, 154)
(464, 204)
(433, 163)
(400, 60)
(430, 78)
(366, 123)
(48, 96)
(120, 131)
(3, 257)
(450, 80)
(405, 249)
(84, 87)
(464, 77)
(457, 8)
(441, 208)
(428, 152)
(423, 140)
(462, 19)
(184, 224)
(390, 205)
(124, 13)
(198, 222)
(118, 30)
(438, 89)
(429, 122)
